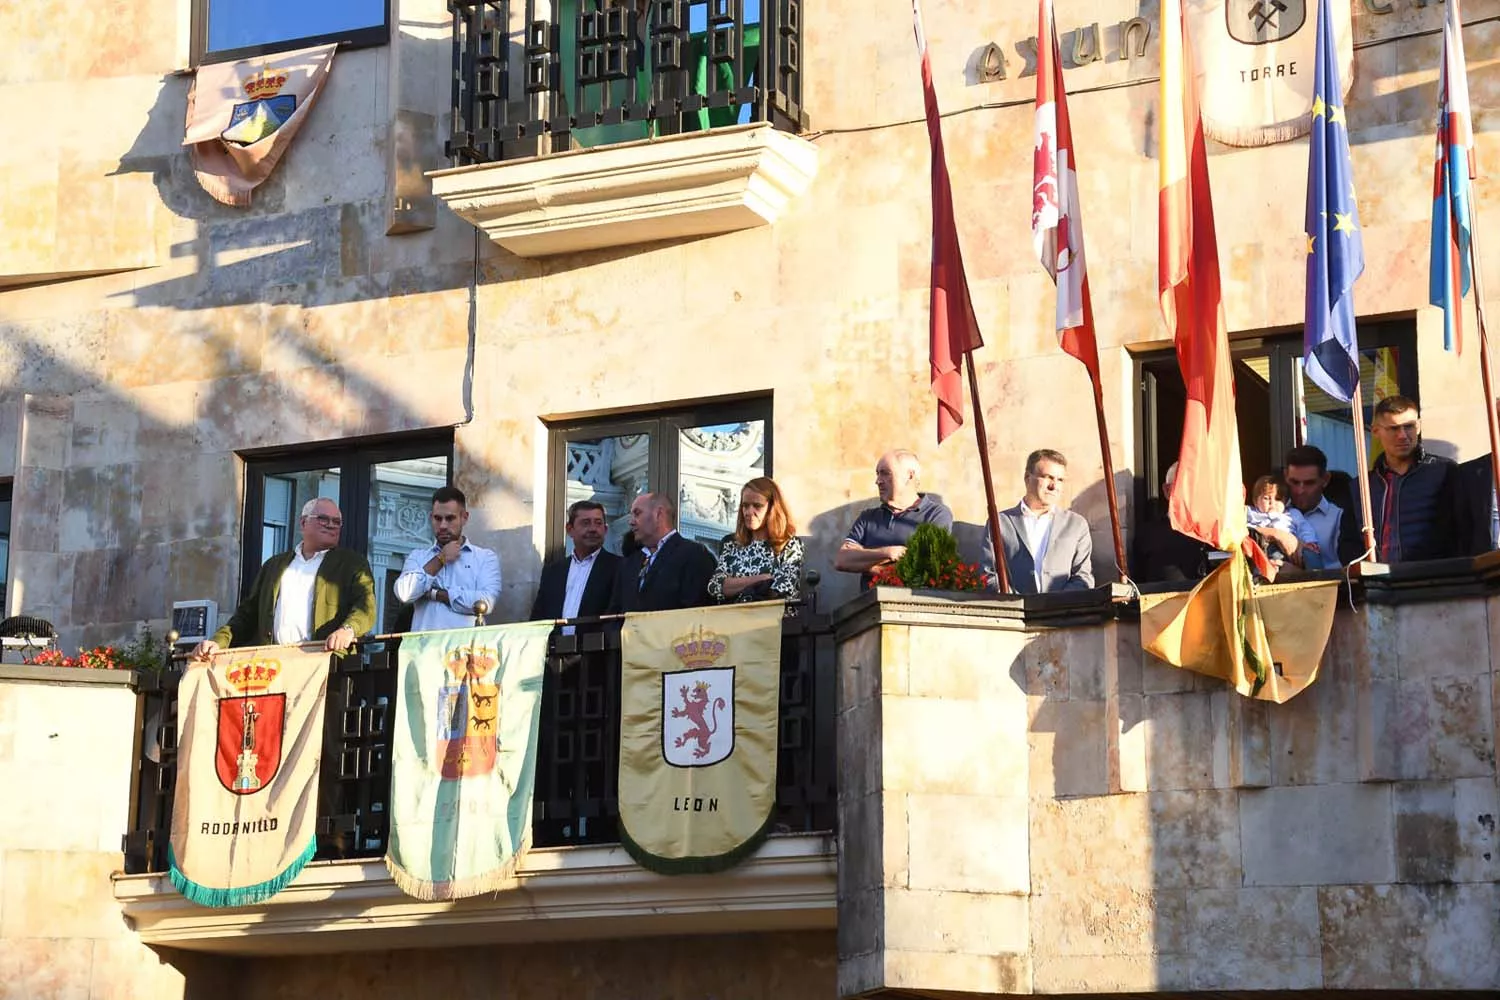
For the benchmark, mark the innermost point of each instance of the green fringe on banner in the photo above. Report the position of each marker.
(695, 866)
(244, 895)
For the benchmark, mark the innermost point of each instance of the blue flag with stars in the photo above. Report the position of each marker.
(1335, 249)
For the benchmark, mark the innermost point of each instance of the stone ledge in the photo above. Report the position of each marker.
(697, 184)
(574, 893)
(36, 674)
(955, 609)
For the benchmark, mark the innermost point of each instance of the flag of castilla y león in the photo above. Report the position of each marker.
(699, 696)
(250, 732)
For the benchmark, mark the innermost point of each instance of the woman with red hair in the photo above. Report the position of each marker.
(763, 559)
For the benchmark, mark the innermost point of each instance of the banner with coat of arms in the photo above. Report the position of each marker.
(242, 116)
(1255, 61)
(699, 695)
(463, 757)
(250, 737)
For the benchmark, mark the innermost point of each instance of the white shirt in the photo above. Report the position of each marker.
(1324, 519)
(1038, 528)
(292, 621)
(651, 553)
(578, 580)
(472, 577)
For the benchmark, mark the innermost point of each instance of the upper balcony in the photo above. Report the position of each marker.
(590, 123)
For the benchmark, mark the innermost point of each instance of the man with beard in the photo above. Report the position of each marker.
(578, 585)
(448, 578)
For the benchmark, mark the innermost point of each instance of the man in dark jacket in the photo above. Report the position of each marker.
(579, 584)
(1481, 527)
(669, 571)
(1414, 496)
(315, 593)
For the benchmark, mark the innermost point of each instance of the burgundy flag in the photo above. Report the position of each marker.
(955, 331)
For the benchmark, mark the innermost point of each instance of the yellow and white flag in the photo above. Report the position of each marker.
(242, 116)
(249, 741)
(699, 696)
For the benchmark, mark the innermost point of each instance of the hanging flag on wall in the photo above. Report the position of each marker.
(699, 696)
(953, 328)
(1335, 246)
(1255, 60)
(463, 757)
(249, 738)
(1452, 180)
(242, 116)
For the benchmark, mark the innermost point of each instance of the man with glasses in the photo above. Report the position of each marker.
(1414, 496)
(317, 592)
(1048, 548)
(446, 581)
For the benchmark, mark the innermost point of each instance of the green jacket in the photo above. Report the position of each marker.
(344, 594)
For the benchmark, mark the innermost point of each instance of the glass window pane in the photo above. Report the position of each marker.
(282, 498)
(4, 542)
(400, 505)
(611, 471)
(1328, 423)
(234, 24)
(713, 462)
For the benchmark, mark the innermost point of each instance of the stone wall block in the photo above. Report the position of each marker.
(50, 967)
(976, 753)
(1160, 677)
(1117, 850)
(955, 663)
(101, 508)
(1134, 735)
(70, 887)
(859, 669)
(996, 975)
(860, 750)
(1195, 838)
(1179, 740)
(46, 431)
(872, 844)
(1262, 939)
(118, 585)
(1047, 665)
(966, 923)
(1091, 920)
(1374, 647)
(1313, 835)
(1069, 746)
(1476, 811)
(104, 431)
(1110, 973)
(966, 843)
(1442, 639)
(1242, 738)
(1377, 720)
(1315, 735)
(1443, 728)
(1426, 831)
(861, 929)
(1386, 937)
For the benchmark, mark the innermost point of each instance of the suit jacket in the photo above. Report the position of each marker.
(1068, 564)
(596, 592)
(1477, 489)
(343, 594)
(678, 578)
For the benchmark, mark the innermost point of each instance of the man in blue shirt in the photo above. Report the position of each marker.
(879, 535)
(1336, 530)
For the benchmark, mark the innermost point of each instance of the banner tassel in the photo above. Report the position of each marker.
(247, 895)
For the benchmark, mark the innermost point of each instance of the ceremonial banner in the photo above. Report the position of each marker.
(699, 692)
(1202, 631)
(242, 116)
(1256, 62)
(463, 757)
(249, 741)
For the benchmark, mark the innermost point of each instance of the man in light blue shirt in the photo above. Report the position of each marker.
(1306, 475)
(446, 580)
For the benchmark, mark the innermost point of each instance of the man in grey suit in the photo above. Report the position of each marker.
(1047, 548)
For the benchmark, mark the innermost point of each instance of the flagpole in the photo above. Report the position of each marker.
(1486, 367)
(1109, 483)
(989, 483)
(1362, 457)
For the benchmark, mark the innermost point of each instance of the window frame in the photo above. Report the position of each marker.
(7, 497)
(355, 458)
(662, 424)
(1283, 347)
(353, 38)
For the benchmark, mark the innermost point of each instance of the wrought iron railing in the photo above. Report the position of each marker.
(575, 800)
(532, 77)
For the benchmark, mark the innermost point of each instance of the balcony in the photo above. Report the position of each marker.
(576, 882)
(595, 123)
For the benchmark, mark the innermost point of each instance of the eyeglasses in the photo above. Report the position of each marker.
(327, 520)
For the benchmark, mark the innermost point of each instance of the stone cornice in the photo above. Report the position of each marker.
(696, 184)
(574, 893)
(35, 674)
(950, 609)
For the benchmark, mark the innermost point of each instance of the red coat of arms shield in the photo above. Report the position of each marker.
(249, 741)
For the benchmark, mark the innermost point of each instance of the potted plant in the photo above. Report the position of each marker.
(931, 562)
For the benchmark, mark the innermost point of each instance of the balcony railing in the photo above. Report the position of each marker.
(576, 73)
(577, 765)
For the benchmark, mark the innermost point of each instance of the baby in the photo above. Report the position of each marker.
(1268, 510)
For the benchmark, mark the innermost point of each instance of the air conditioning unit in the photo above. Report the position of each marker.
(194, 621)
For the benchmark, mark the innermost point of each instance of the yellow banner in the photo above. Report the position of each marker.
(1227, 627)
(698, 720)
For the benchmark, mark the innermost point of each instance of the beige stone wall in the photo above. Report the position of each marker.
(65, 764)
(1050, 811)
(329, 309)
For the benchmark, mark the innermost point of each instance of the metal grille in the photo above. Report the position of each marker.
(592, 72)
(577, 765)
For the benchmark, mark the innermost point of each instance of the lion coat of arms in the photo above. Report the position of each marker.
(698, 704)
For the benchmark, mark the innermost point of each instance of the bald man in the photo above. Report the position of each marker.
(669, 571)
(879, 535)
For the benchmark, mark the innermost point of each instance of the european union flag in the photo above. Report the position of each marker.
(1335, 249)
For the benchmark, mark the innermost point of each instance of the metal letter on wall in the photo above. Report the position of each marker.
(1130, 27)
(1086, 45)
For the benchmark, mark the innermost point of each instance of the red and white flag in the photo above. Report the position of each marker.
(954, 329)
(1056, 212)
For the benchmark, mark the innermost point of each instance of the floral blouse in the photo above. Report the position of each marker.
(752, 560)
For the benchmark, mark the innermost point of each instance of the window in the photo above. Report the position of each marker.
(702, 454)
(237, 29)
(384, 490)
(5, 493)
(1278, 406)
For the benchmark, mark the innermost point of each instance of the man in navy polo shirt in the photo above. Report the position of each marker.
(880, 534)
